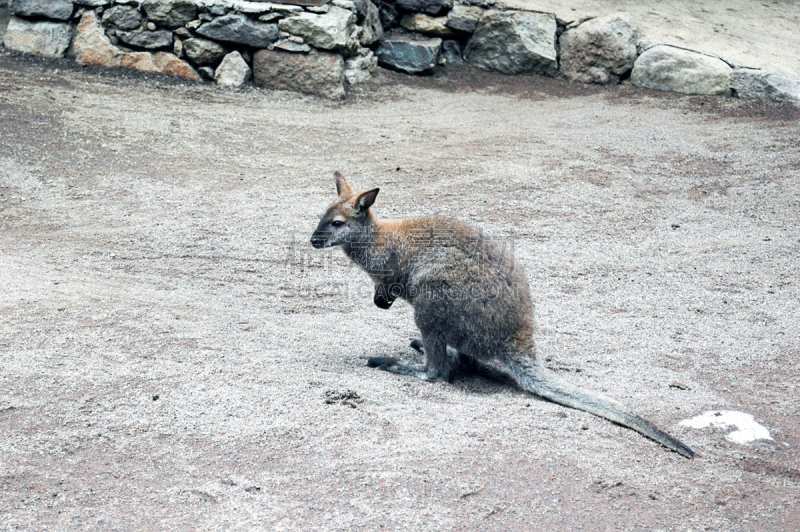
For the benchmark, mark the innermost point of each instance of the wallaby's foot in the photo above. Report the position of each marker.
(401, 367)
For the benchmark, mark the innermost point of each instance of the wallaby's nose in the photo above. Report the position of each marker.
(317, 242)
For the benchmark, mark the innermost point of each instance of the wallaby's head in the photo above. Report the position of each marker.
(346, 218)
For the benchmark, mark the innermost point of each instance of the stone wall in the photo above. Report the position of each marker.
(323, 47)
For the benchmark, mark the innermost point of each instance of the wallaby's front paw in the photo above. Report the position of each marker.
(381, 362)
(417, 346)
(381, 301)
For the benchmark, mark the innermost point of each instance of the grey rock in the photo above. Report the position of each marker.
(451, 51)
(431, 7)
(47, 39)
(512, 42)
(170, 13)
(239, 29)
(92, 3)
(252, 8)
(485, 4)
(319, 73)
(390, 18)
(768, 85)
(329, 31)
(427, 24)
(232, 71)
(203, 52)
(55, 9)
(206, 72)
(359, 68)
(146, 39)
(667, 68)
(464, 18)
(271, 17)
(324, 8)
(599, 50)
(409, 53)
(371, 30)
(123, 17)
(288, 45)
(217, 10)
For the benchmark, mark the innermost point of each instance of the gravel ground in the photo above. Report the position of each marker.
(175, 356)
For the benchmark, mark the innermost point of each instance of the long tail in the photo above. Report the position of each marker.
(536, 379)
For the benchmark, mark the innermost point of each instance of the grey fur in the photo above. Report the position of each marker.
(471, 301)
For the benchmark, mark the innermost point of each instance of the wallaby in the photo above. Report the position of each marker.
(468, 295)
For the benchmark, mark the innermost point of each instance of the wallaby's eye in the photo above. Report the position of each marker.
(337, 223)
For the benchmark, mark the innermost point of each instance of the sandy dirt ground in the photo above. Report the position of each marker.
(175, 356)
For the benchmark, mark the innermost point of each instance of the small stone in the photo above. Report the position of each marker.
(92, 3)
(371, 29)
(429, 7)
(170, 13)
(679, 385)
(203, 52)
(359, 68)
(427, 24)
(289, 46)
(182, 33)
(206, 72)
(271, 17)
(451, 51)
(147, 39)
(123, 17)
(232, 71)
(464, 18)
(318, 9)
(151, 26)
(177, 48)
(408, 53)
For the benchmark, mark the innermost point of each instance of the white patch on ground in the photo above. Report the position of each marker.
(748, 430)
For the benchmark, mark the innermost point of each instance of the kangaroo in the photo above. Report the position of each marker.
(471, 301)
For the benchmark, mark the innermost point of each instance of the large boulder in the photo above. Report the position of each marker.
(514, 42)
(750, 83)
(203, 52)
(240, 29)
(431, 7)
(600, 50)
(232, 71)
(319, 73)
(91, 46)
(409, 53)
(667, 68)
(123, 17)
(147, 39)
(329, 31)
(47, 39)
(170, 13)
(55, 9)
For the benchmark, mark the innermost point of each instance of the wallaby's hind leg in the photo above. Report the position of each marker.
(438, 365)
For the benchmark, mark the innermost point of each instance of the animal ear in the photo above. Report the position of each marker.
(342, 188)
(365, 200)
